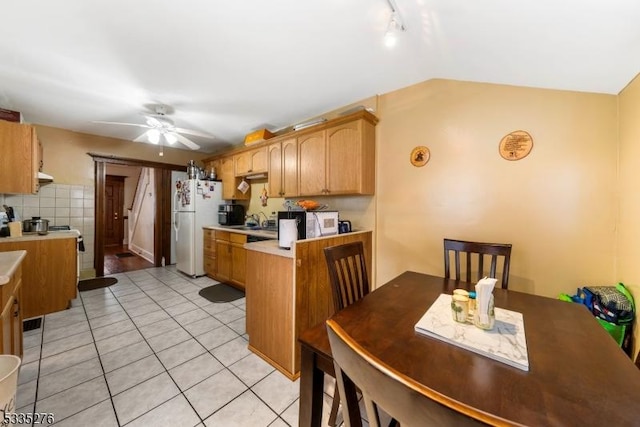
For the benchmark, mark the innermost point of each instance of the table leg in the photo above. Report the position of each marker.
(311, 389)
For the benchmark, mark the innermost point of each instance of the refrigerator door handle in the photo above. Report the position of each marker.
(176, 225)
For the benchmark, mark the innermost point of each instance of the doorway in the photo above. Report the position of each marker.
(162, 216)
(114, 204)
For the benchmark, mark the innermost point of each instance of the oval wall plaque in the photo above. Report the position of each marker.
(516, 145)
(420, 156)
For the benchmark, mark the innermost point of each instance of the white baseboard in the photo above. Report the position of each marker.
(141, 252)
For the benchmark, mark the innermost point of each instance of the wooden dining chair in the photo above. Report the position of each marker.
(477, 250)
(347, 273)
(408, 402)
(349, 283)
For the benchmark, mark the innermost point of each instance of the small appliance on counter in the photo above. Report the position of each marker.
(230, 214)
(312, 224)
(4, 224)
(287, 232)
(344, 227)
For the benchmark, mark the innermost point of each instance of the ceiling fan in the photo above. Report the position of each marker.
(159, 126)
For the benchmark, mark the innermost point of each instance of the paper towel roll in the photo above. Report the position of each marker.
(287, 233)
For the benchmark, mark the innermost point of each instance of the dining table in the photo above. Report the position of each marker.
(577, 374)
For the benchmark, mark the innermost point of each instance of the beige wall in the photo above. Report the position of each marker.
(65, 154)
(628, 265)
(557, 206)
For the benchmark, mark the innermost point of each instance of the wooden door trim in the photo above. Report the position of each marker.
(163, 202)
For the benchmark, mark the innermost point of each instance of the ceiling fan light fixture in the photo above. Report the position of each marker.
(153, 135)
(171, 138)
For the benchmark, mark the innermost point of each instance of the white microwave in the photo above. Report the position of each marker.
(321, 223)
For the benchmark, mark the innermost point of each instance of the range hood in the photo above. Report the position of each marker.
(256, 176)
(43, 177)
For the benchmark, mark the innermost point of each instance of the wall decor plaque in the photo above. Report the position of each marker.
(420, 156)
(516, 145)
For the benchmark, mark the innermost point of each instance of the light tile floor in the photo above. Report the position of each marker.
(150, 351)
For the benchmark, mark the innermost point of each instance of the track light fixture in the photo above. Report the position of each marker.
(395, 26)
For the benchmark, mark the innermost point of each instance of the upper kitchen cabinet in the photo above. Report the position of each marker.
(283, 168)
(250, 162)
(21, 158)
(338, 160)
(230, 183)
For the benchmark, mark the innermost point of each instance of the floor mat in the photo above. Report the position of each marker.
(124, 255)
(221, 293)
(96, 283)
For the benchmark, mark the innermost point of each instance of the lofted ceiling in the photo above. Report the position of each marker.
(227, 68)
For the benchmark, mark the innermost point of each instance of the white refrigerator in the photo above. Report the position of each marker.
(196, 204)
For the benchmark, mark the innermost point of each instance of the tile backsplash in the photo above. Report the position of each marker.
(61, 204)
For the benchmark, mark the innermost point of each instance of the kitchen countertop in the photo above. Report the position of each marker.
(271, 246)
(9, 261)
(234, 229)
(36, 236)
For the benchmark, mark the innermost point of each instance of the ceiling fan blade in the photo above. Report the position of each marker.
(194, 132)
(189, 143)
(121, 124)
(142, 138)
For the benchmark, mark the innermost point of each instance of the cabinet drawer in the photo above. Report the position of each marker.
(238, 238)
(209, 245)
(210, 266)
(222, 235)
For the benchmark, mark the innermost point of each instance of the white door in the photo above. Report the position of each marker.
(175, 177)
(185, 249)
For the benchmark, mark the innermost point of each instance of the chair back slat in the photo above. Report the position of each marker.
(471, 250)
(400, 397)
(347, 273)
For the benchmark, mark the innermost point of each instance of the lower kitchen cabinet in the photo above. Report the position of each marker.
(231, 258)
(286, 296)
(238, 260)
(209, 257)
(270, 309)
(11, 315)
(49, 273)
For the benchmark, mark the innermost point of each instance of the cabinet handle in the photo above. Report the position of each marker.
(16, 313)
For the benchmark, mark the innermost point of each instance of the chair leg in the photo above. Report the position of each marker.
(333, 415)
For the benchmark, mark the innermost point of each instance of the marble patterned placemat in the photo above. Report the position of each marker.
(505, 342)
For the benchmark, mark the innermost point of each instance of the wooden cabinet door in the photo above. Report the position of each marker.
(6, 326)
(209, 252)
(229, 182)
(344, 157)
(258, 160)
(17, 172)
(238, 264)
(242, 163)
(289, 168)
(238, 259)
(223, 254)
(312, 164)
(274, 169)
(16, 319)
(252, 161)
